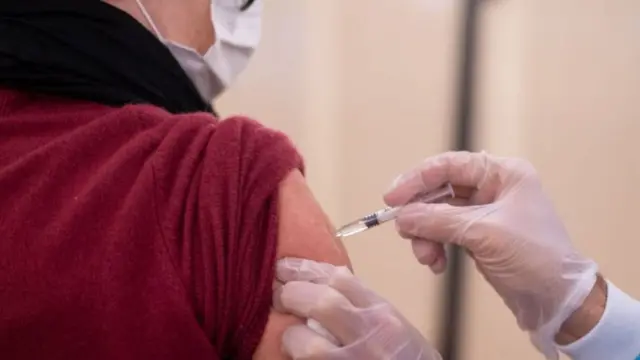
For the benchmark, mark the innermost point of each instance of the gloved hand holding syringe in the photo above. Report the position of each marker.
(390, 213)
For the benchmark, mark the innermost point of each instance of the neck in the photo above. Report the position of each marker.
(185, 22)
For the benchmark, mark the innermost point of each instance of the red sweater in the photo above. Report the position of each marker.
(131, 233)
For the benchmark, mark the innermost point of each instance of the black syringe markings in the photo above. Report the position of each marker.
(371, 220)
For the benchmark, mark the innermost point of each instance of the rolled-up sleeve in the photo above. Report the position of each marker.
(617, 335)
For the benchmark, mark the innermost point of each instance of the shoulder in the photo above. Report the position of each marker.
(152, 115)
(232, 130)
(304, 231)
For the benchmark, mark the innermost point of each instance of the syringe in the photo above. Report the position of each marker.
(389, 213)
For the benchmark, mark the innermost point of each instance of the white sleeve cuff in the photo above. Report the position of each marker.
(616, 336)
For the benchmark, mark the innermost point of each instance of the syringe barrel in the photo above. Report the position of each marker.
(437, 195)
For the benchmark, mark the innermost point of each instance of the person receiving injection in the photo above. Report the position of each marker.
(519, 244)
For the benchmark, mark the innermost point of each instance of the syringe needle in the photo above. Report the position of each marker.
(389, 213)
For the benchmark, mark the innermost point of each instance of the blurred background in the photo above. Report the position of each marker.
(368, 88)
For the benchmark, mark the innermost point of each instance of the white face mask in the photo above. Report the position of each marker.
(237, 36)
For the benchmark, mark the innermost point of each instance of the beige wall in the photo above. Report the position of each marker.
(365, 89)
(560, 86)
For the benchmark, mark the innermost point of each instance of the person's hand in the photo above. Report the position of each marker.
(360, 324)
(509, 227)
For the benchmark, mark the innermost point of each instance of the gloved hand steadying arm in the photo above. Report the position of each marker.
(510, 229)
(360, 323)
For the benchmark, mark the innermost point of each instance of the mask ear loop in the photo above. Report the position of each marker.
(146, 15)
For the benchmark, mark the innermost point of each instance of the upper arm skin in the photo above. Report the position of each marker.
(305, 232)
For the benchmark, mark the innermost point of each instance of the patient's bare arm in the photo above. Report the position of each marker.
(304, 232)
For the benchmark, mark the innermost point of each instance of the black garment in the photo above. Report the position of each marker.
(87, 49)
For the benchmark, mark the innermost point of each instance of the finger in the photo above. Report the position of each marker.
(440, 265)
(464, 169)
(301, 342)
(440, 222)
(296, 269)
(430, 253)
(338, 277)
(425, 251)
(315, 326)
(461, 196)
(322, 303)
(353, 289)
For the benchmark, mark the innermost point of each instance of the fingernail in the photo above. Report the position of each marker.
(287, 268)
(438, 266)
(427, 259)
(298, 297)
(317, 327)
(396, 182)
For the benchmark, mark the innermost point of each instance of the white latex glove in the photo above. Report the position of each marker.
(361, 324)
(510, 229)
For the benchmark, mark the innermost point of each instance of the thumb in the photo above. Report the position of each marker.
(440, 222)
